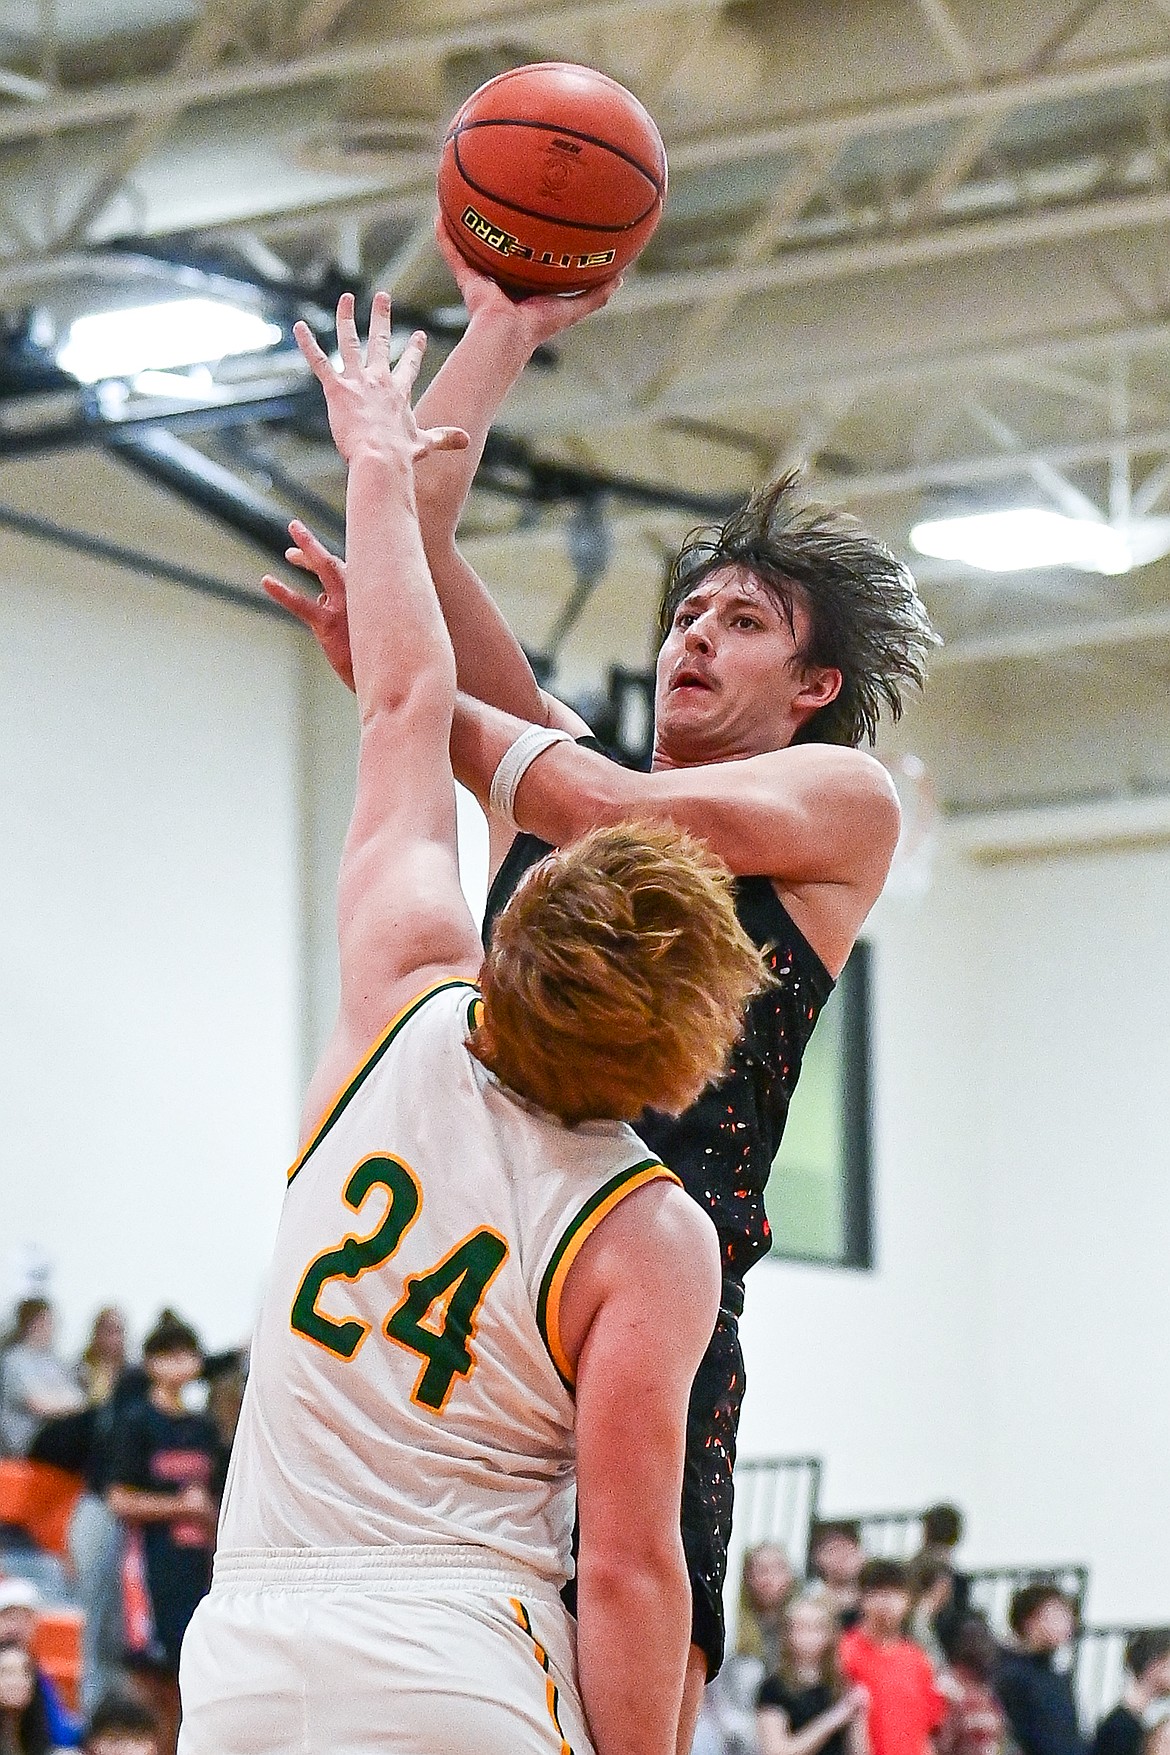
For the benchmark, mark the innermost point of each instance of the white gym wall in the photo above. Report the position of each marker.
(176, 778)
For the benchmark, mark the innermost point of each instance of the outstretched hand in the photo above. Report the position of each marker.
(325, 615)
(536, 318)
(369, 400)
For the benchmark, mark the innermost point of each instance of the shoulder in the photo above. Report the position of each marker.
(854, 1646)
(654, 1244)
(659, 1226)
(838, 772)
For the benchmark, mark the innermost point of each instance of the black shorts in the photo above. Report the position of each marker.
(708, 1489)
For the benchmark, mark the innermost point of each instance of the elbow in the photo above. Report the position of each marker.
(425, 693)
(624, 1574)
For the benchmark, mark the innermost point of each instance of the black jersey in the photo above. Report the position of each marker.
(722, 1148)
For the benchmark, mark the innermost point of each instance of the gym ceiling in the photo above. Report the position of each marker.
(920, 246)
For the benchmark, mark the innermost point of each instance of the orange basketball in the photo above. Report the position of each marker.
(552, 178)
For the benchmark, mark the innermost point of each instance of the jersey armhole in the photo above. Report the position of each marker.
(369, 1061)
(580, 1227)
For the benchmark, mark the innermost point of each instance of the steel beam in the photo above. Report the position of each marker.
(875, 255)
(209, 487)
(1004, 466)
(145, 97)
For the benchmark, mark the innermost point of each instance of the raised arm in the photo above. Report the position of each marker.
(636, 1345)
(402, 919)
(819, 820)
(469, 389)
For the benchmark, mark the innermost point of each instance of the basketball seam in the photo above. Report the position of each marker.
(570, 133)
(576, 225)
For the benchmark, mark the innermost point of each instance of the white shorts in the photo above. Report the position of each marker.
(434, 1651)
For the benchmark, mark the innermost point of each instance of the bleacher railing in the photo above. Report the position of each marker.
(775, 1501)
(993, 1587)
(887, 1535)
(1099, 1671)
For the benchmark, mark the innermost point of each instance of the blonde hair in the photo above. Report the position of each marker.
(617, 976)
(830, 1666)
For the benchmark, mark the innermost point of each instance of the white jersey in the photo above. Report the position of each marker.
(408, 1382)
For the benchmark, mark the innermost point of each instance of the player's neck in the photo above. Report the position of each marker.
(698, 755)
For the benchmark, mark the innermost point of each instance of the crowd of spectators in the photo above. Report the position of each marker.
(148, 1439)
(864, 1656)
(872, 1656)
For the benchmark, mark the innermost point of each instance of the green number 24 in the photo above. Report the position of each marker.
(437, 1314)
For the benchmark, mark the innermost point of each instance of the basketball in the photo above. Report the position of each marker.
(552, 178)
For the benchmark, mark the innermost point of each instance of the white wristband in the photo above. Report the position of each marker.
(515, 763)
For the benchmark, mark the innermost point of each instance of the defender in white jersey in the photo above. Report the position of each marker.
(473, 1322)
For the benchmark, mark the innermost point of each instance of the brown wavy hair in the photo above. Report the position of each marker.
(866, 618)
(617, 976)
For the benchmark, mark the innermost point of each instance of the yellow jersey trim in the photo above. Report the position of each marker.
(552, 1697)
(574, 1236)
(365, 1067)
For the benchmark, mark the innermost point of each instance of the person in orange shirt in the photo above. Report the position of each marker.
(905, 1707)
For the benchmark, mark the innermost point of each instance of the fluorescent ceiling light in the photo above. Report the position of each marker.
(179, 332)
(1015, 541)
(194, 386)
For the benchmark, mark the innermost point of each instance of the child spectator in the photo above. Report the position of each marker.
(905, 1706)
(975, 1724)
(162, 1463)
(19, 1602)
(121, 1726)
(805, 1707)
(24, 1722)
(34, 1384)
(768, 1583)
(1037, 1697)
(1147, 1662)
(835, 1560)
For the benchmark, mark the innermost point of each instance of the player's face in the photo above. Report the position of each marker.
(729, 680)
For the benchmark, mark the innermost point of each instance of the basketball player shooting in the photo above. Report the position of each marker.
(473, 1304)
(786, 634)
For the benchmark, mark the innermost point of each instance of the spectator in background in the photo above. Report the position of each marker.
(121, 1726)
(104, 1358)
(97, 1543)
(1037, 1697)
(905, 1706)
(34, 1384)
(767, 1584)
(942, 1532)
(975, 1724)
(19, 1603)
(805, 1706)
(1147, 1663)
(835, 1560)
(931, 1598)
(162, 1463)
(24, 1723)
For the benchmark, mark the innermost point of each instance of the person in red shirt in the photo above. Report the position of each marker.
(905, 1707)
